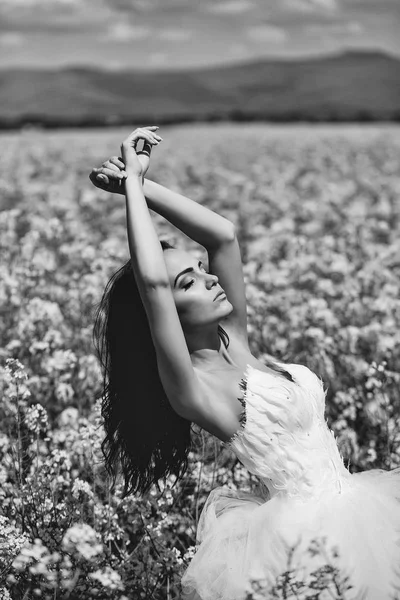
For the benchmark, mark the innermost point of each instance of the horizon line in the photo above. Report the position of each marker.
(233, 63)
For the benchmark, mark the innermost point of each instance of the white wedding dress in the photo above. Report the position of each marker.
(306, 493)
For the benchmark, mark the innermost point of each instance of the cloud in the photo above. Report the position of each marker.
(113, 65)
(157, 59)
(174, 35)
(232, 7)
(267, 34)
(335, 29)
(328, 4)
(37, 3)
(60, 16)
(310, 6)
(238, 51)
(11, 38)
(124, 32)
(132, 6)
(354, 27)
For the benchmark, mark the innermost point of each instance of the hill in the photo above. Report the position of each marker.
(350, 86)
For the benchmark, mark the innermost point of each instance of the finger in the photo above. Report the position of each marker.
(143, 153)
(102, 185)
(103, 179)
(146, 149)
(132, 140)
(109, 165)
(113, 167)
(142, 133)
(145, 135)
(147, 144)
(156, 135)
(111, 174)
(150, 137)
(93, 177)
(117, 161)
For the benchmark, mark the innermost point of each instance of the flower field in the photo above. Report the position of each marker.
(317, 214)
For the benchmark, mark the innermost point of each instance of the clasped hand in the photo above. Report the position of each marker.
(113, 172)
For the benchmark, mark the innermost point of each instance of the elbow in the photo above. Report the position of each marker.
(231, 231)
(228, 234)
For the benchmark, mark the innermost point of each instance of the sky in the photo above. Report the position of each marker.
(176, 34)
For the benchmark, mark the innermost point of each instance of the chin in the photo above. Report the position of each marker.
(228, 307)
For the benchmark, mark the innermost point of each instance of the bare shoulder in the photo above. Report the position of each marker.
(221, 411)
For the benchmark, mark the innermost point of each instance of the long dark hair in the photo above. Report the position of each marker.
(145, 438)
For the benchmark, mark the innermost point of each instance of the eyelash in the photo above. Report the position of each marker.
(188, 285)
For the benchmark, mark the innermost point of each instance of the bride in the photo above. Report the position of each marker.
(171, 334)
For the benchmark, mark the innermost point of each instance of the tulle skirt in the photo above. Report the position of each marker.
(242, 537)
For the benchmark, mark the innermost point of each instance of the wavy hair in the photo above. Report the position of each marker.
(145, 438)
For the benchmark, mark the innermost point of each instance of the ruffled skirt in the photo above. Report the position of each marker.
(243, 537)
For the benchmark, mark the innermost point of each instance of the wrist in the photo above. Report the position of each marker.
(147, 185)
(133, 174)
(133, 184)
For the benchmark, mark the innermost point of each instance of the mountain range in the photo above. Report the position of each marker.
(349, 86)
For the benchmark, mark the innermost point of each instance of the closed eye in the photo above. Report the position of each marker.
(185, 287)
(191, 282)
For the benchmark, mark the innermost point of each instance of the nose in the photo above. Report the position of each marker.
(213, 279)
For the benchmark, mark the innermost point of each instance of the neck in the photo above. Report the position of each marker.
(209, 354)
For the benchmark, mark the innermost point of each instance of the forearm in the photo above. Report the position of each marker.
(145, 248)
(198, 222)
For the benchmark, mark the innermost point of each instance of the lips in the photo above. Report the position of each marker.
(219, 294)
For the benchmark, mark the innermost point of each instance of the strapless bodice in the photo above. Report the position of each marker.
(284, 439)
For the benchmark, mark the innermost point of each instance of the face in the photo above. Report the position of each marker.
(194, 291)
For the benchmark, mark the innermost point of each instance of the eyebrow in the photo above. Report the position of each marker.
(188, 270)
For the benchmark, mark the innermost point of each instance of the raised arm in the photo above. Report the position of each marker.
(174, 364)
(198, 222)
(217, 235)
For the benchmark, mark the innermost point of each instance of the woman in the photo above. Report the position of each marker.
(169, 363)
